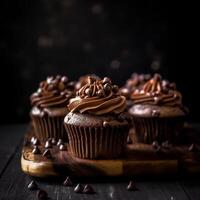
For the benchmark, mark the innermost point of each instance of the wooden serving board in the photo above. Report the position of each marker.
(138, 160)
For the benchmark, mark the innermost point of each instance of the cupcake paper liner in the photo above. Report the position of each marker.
(49, 127)
(148, 130)
(96, 142)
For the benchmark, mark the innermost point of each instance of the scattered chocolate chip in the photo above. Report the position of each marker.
(47, 154)
(193, 148)
(156, 100)
(107, 87)
(53, 141)
(88, 189)
(155, 113)
(106, 80)
(155, 144)
(105, 124)
(129, 141)
(62, 147)
(78, 188)
(131, 186)
(32, 185)
(166, 144)
(48, 145)
(36, 142)
(42, 195)
(115, 88)
(60, 141)
(36, 150)
(67, 182)
(51, 87)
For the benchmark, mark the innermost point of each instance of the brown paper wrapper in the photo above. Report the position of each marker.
(46, 127)
(97, 142)
(148, 130)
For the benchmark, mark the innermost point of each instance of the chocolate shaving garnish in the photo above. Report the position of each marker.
(32, 185)
(68, 182)
(88, 189)
(79, 188)
(47, 154)
(131, 186)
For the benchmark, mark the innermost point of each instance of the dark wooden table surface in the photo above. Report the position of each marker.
(13, 182)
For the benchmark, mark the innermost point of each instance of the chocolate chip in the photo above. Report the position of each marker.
(129, 141)
(60, 141)
(36, 150)
(47, 154)
(156, 100)
(155, 144)
(67, 182)
(106, 80)
(51, 87)
(131, 186)
(62, 147)
(53, 141)
(193, 148)
(48, 144)
(32, 185)
(78, 188)
(99, 93)
(107, 87)
(36, 142)
(32, 139)
(105, 124)
(88, 189)
(88, 91)
(64, 79)
(115, 88)
(42, 195)
(155, 113)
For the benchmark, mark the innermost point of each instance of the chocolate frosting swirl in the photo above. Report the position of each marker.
(53, 92)
(98, 97)
(157, 92)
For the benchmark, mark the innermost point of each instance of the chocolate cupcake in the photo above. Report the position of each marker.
(158, 113)
(50, 107)
(97, 125)
(133, 84)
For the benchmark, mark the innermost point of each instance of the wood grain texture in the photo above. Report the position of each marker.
(13, 182)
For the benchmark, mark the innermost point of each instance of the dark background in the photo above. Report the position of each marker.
(76, 37)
